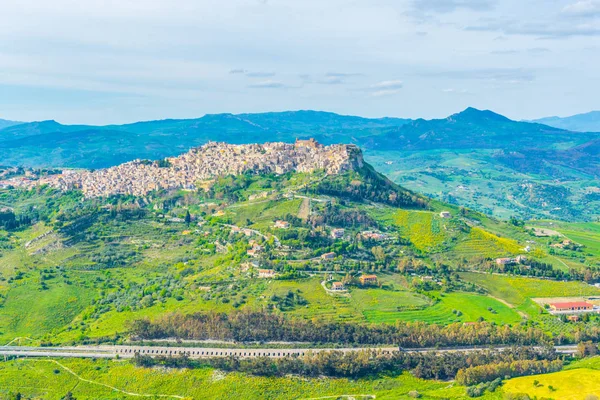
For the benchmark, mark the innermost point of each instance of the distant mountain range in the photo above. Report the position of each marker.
(588, 122)
(49, 143)
(476, 158)
(476, 129)
(6, 123)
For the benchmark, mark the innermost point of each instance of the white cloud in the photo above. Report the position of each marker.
(584, 8)
(447, 6)
(385, 88)
(260, 74)
(269, 84)
(455, 91)
(388, 85)
(194, 56)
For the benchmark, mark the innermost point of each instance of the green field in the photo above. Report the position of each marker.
(516, 290)
(472, 307)
(587, 234)
(29, 310)
(575, 382)
(102, 379)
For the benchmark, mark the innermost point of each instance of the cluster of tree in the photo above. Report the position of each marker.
(363, 363)
(136, 296)
(371, 186)
(489, 372)
(115, 256)
(294, 220)
(288, 302)
(233, 187)
(164, 163)
(9, 221)
(250, 326)
(480, 389)
(127, 213)
(334, 215)
(535, 268)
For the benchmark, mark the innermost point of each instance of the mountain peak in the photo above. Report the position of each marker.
(472, 114)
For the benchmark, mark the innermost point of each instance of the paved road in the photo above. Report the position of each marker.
(199, 352)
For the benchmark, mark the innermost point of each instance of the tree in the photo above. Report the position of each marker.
(68, 396)
(188, 217)
(379, 253)
(586, 349)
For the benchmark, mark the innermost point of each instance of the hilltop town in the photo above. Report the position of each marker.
(211, 160)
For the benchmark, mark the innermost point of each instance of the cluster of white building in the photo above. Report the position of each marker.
(214, 159)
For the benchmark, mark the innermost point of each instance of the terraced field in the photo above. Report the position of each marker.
(320, 304)
(482, 243)
(378, 305)
(425, 230)
(471, 306)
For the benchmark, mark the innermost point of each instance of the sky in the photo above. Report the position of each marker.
(117, 61)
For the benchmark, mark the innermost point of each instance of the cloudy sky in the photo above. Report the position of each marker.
(114, 61)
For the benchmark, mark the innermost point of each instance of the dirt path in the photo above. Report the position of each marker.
(561, 261)
(506, 303)
(69, 370)
(304, 211)
(20, 339)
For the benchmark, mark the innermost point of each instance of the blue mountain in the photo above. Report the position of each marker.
(588, 122)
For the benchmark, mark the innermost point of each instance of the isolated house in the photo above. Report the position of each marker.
(368, 279)
(266, 273)
(572, 306)
(282, 224)
(337, 233)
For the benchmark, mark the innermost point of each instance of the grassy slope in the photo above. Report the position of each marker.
(575, 382)
(62, 316)
(50, 381)
(63, 307)
(517, 290)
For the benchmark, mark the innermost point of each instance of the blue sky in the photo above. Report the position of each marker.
(115, 61)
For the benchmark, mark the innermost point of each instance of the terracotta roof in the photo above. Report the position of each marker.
(572, 304)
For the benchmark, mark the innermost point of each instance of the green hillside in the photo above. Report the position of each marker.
(77, 271)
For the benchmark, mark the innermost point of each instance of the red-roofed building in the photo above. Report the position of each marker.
(266, 273)
(572, 306)
(368, 279)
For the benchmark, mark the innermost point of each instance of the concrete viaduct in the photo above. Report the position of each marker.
(200, 352)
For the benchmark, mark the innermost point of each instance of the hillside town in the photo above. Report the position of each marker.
(211, 160)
